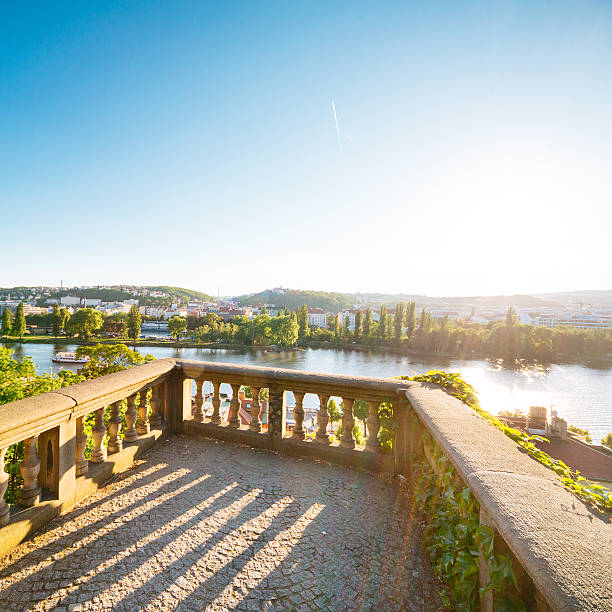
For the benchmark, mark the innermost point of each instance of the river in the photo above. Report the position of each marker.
(581, 395)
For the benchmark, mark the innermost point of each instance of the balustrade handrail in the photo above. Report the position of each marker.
(361, 387)
(33, 415)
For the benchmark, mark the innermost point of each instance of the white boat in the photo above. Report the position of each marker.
(69, 357)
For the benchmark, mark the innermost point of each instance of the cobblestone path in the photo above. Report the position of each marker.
(201, 525)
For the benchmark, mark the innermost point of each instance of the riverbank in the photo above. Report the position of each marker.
(402, 350)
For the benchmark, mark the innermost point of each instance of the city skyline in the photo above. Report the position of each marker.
(467, 150)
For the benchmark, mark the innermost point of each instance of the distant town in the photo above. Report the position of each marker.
(580, 310)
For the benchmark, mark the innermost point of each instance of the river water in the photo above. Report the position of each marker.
(581, 395)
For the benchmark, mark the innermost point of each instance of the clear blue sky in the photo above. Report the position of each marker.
(194, 144)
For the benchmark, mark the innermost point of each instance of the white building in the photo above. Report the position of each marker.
(317, 317)
(70, 300)
(579, 321)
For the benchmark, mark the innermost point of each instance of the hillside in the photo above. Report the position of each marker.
(182, 294)
(293, 299)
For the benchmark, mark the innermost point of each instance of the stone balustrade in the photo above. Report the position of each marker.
(559, 547)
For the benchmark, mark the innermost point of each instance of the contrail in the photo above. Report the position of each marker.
(337, 127)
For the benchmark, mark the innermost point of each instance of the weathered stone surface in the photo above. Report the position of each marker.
(203, 525)
(564, 546)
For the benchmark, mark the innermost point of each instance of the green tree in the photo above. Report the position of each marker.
(284, 330)
(410, 319)
(382, 325)
(6, 322)
(336, 328)
(115, 325)
(304, 330)
(367, 323)
(19, 324)
(607, 440)
(176, 326)
(85, 322)
(398, 321)
(109, 358)
(56, 320)
(346, 330)
(134, 323)
(262, 332)
(510, 317)
(65, 319)
(358, 319)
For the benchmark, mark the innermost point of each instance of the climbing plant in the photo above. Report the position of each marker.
(592, 493)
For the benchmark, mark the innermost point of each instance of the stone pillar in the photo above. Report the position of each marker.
(143, 426)
(255, 424)
(115, 443)
(79, 451)
(234, 408)
(322, 420)
(130, 434)
(156, 418)
(216, 402)
(276, 416)
(372, 443)
(29, 468)
(98, 431)
(298, 415)
(198, 414)
(348, 422)
(401, 452)
(4, 477)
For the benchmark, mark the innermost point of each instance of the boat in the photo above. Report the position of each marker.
(69, 357)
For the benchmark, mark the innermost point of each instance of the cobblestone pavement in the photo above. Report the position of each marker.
(198, 524)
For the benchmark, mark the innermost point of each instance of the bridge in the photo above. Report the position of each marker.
(174, 509)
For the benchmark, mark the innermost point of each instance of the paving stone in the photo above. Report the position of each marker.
(197, 524)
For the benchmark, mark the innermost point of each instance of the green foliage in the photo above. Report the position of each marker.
(106, 295)
(134, 323)
(581, 432)
(19, 324)
(330, 302)
(84, 322)
(109, 358)
(7, 324)
(454, 537)
(115, 325)
(304, 330)
(176, 326)
(593, 494)
(607, 440)
(56, 320)
(18, 380)
(179, 294)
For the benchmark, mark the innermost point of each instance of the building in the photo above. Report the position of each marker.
(579, 321)
(317, 317)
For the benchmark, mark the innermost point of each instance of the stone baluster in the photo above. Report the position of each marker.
(115, 443)
(198, 415)
(143, 426)
(130, 434)
(98, 431)
(29, 468)
(298, 415)
(234, 408)
(348, 422)
(372, 442)
(216, 402)
(156, 418)
(255, 424)
(322, 419)
(79, 453)
(276, 415)
(4, 478)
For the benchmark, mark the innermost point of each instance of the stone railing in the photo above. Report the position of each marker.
(560, 549)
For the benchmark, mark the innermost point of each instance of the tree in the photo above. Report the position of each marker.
(510, 317)
(382, 325)
(176, 326)
(19, 324)
(346, 330)
(85, 322)
(410, 319)
(115, 325)
(6, 322)
(65, 319)
(358, 317)
(108, 358)
(607, 440)
(398, 321)
(336, 328)
(134, 323)
(56, 320)
(367, 323)
(284, 330)
(304, 330)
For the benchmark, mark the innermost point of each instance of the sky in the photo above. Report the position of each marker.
(194, 144)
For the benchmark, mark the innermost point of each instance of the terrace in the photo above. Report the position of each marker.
(223, 516)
